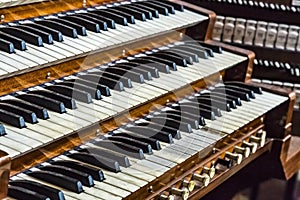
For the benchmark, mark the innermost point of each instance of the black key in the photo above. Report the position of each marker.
(2, 130)
(12, 119)
(95, 172)
(47, 37)
(161, 128)
(71, 92)
(134, 76)
(93, 18)
(109, 22)
(22, 193)
(81, 30)
(68, 101)
(151, 63)
(121, 159)
(204, 108)
(171, 57)
(161, 9)
(112, 84)
(257, 90)
(153, 142)
(96, 94)
(241, 89)
(89, 25)
(178, 7)
(130, 18)
(28, 115)
(199, 52)
(108, 75)
(182, 116)
(178, 59)
(191, 116)
(244, 96)
(165, 4)
(171, 122)
(170, 63)
(46, 102)
(6, 46)
(24, 35)
(151, 133)
(17, 42)
(215, 48)
(197, 46)
(50, 192)
(153, 11)
(97, 160)
(237, 100)
(137, 70)
(181, 51)
(126, 149)
(221, 104)
(106, 13)
(144, 69)
(103, 89)
(134, 12)
(193, 108)
(143, 145)
(83, 177)
(195, 113)
(147, 13)
(189, 57)
(39, 111)
(215, 96)
(64, 29)
(60, 180)
(56, 35)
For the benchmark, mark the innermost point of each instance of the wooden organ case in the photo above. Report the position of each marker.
(128, 100)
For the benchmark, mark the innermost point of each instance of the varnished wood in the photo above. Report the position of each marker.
(242, 73)
(4, 174)
(45, 8)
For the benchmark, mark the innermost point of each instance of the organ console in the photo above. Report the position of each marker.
(130, 100)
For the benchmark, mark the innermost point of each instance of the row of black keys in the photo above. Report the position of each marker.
(113, 152)
(53, 29)
(62, 95)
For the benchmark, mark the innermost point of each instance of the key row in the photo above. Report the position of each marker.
(94, 85)
(53, 28)
(132, 153)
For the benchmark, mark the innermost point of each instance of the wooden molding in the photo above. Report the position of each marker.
(5, 163)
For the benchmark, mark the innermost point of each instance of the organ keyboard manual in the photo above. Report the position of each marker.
(130, 100)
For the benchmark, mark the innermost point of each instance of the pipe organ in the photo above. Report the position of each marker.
(134, 100)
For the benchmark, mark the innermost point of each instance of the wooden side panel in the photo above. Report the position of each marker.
(279, 121)
(243, 71)
(204, 30)
(4, 175)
